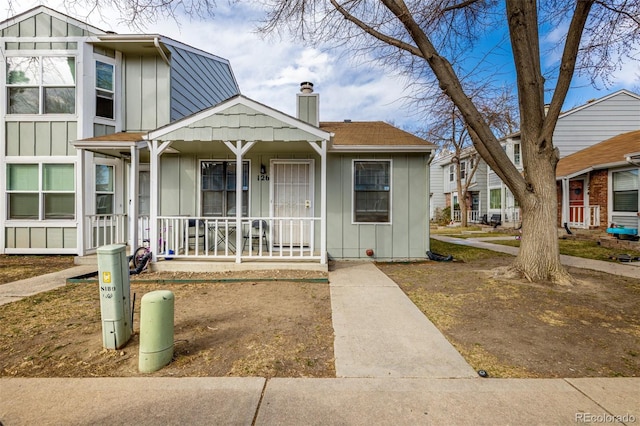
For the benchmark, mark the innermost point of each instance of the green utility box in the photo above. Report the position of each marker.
(156, 330)
(115, 289)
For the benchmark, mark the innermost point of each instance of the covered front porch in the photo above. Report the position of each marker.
(239, 182)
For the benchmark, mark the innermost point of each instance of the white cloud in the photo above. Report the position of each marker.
(271, 70)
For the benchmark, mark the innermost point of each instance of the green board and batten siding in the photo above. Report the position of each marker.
(42, 25)
(41, 138)
(147, 79)
(405, 237)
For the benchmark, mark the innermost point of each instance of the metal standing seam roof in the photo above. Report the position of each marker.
(610, 151)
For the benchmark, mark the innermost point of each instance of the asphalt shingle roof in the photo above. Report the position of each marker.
(370, 133)
(599, 155)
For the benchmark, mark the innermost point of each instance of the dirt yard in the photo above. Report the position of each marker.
(520, 329)
(283, 328)
(253, 328)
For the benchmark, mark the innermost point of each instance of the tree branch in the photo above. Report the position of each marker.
(369, 30)
(459, 5)
(567, 64)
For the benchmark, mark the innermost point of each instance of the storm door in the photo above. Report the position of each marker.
(292, 200)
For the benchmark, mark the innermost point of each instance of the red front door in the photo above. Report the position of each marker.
(576, 201)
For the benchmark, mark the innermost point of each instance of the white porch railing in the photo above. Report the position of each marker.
(106, 229)
(584, 217)
(456, 216)
(473, 216)
(260, 238)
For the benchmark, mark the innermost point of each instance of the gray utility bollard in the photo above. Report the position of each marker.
(115, 289)
(156, 330)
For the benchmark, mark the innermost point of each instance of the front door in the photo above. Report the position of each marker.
(292, 199)
(576, 201)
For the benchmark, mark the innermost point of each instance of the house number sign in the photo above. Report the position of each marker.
(263, 177)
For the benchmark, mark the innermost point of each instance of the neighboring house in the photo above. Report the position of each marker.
(187, 163)
(576, 130)
(64, 80)
(443, 175)
(598, 186)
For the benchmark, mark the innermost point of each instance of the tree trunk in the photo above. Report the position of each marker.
(539, 255)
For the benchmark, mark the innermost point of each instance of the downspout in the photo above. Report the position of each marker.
(156, 43)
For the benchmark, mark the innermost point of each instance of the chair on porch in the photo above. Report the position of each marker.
(196, 232)
(258, 231)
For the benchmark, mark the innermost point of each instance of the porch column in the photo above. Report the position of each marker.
(565, 202)
(239, 152)
(80, 200)
(154, 196)
(238, 201)
(323, 203)
(155, 151)
(133, 199)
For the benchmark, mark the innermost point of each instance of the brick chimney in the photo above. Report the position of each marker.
(308, 104)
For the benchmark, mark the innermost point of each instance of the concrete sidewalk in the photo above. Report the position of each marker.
(394, 367)
(631, 270)
(17, 290)
(354, 401)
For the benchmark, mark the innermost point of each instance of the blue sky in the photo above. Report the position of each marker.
(270, 71)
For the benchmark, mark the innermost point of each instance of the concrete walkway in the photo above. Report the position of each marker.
(631, 269)
(17, 290)
(379, 332)
(394, 367)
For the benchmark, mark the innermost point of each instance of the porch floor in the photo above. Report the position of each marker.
(220, 265)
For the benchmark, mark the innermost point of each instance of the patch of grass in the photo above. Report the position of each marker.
(463, 253)
(581, 248)
(453, 230)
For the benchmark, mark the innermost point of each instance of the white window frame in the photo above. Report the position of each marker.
(40, 54)
(108, 61)
(223, 160)
(517, 156)
(353, 190)
(611, 192)
(40, 162)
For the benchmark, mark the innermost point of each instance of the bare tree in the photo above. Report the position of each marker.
(596, 36)
(445, 126)
(426, 37)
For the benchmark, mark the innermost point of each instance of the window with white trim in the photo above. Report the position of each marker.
(104, 90)
(625, 190)
(452, 170)
(463, 169)
(105, 189)
(516, 154)
(372, 189)
(218, 188)
(495, 198)
(40, 191)
(41, 84)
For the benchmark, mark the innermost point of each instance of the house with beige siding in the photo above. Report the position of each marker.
(140, 139)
